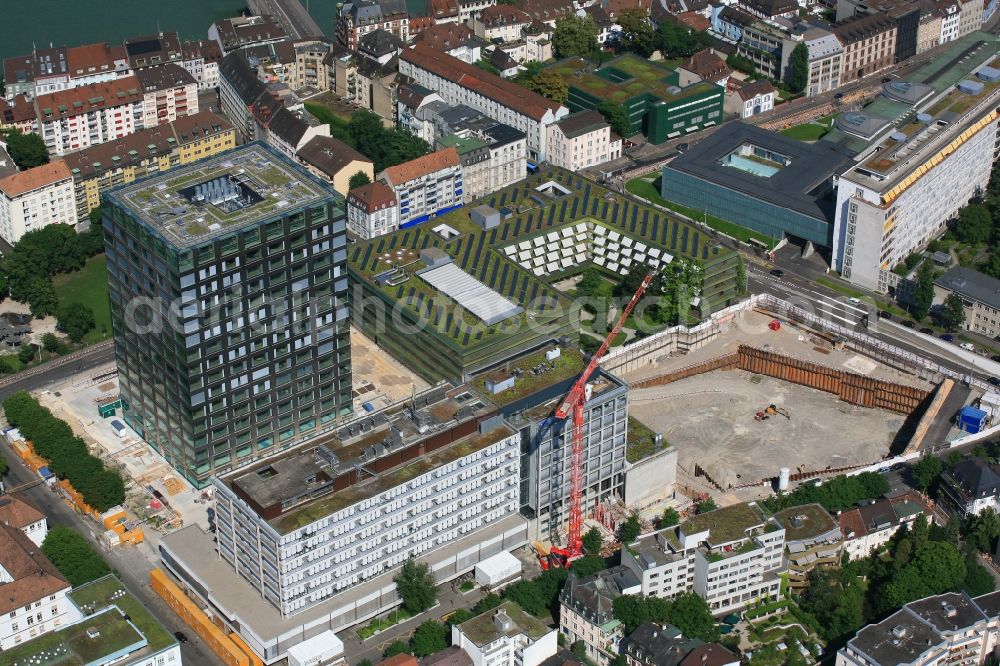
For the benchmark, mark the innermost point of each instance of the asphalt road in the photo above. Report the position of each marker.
(58, 370)
(292, 15)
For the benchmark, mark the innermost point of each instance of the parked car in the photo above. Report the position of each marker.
(682, 147)
(995, 358)
(947, 338)
(927, 331)
(884, 314)
(908, 324)
(181, 637)
(777, 272)
(839, 96)
(968, 346)
(994, 381)
(854, 301)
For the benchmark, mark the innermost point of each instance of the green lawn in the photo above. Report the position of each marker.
(807, 132)
(88, 286)
(649, 190)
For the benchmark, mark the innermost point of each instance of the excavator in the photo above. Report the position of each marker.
(771, 410)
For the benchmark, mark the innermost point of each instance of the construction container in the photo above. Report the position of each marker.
(118, 427)
(193, 616)
(254, 659)
(971, 420)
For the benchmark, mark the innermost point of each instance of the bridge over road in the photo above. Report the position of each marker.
(291, 14)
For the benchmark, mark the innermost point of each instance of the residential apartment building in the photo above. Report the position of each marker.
(750, 99)
(869, 44)
(867, 528)
(505, 635)
(188, 139)
(928, 29)
(359, 17)
(769, 9)
(168, 92)
(458, 82)
(245, 32)
(826, 59)
(81, 117)
(455, 39)
(153, 50)
(335, 162)
(730, 557)
(500, 23)
(951, 17)
(427, 186)
(20, 515)
(767, 46)
(705, 65)
(239, 90)
(971, 17)
(586, 611)
(19, 114)
(36, 198)
(33, 591)
(663, 645)
(310, 69)
(980, 296)
(366, 82)
(949, 628)
(900, 198)
(201, 60)
(229, 399)
(582, 140)
(969, 487)
(54, 69)
(492, 157)
(372, 211)
(812, 539)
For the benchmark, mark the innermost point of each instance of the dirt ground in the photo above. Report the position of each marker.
(710, 419)
(377, 377)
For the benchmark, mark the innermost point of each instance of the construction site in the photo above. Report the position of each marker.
(755, 397)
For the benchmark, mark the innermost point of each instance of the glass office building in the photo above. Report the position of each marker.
(229, 305)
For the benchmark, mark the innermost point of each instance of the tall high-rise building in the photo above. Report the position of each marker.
(229, 305)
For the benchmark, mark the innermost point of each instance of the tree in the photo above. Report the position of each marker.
(73, 556)
(593, 541)
(798, 68)
(708, 504)
(3, 466)
(430, 637)
(549, 85)
(460, 616)
(637, 34)
(982, 531)
(677, 41)
(52, 344)
(670, 517)
(574, 36)
(588, 565)
(75, 319)
(836, 599)
(978, 580)
(923, 294)
(617, 117)
(926, 472)
(489, 602)
(26, 353)
(528, 595)
(952, 313)
(579, 650)
(358, 179)
(975, 224)
(690, 613)
(416, 587)
(394, 648)
(630, 529)
(41, 297)
(27, 150)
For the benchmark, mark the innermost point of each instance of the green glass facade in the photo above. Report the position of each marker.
(238, 345)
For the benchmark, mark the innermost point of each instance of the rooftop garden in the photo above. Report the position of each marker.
(530, 373)
(623, 78)
(109, 591)
(724, 525)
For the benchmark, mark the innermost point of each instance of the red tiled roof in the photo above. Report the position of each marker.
(20, 111)
(706, 65)
(499, 15)
(100, 56)
(436, 161)
(32, 179)
(34, 576)
(445, 36)
(17, 513)
(372, 197)
(754, 88)
(695, 21)
(84, 99)
(444, 8)
(471, 77)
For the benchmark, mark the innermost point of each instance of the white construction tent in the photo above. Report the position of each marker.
(500, 568)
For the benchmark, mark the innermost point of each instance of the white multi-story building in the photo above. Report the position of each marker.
(244, 32)
(950, 628)
(38, 197)
(168, 92)
(826, 58)
(426, 186)
(504, 636)
(85, 116)
(750, 98)
(51, 70)
(201, 60)
(284, 527)
(902, 192)
(867, 528)
(582, 140)
(372, 210)
(501, 22)
(731, 557)
(492, 158)
(18, 513)
(458, 82)
(32, 592)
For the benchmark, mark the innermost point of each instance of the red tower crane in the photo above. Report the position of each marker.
(573, 402)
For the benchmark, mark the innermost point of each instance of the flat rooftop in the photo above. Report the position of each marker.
(194, 203)
(799, 184)
(899, 639)
(531, 373)
(108, 603)
(726, 524)
(485, 628)
(303, 482)
(240, 602)
(624, 78)
(947, 611)
(808, 521)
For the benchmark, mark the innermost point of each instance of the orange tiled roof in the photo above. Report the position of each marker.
(34, 576)
(436, 161)
(77, 101)
(32, 179)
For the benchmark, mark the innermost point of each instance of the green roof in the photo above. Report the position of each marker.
(726, 524)
(482, 629)
(109, 591)
(624, 78)
(805, 521)
(462, 145)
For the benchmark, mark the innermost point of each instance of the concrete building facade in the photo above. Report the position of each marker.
(87, 115)
(36, 198)
(372, 210)
(426, 186)
(582, 140)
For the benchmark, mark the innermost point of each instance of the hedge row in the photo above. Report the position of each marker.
(53, 439)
